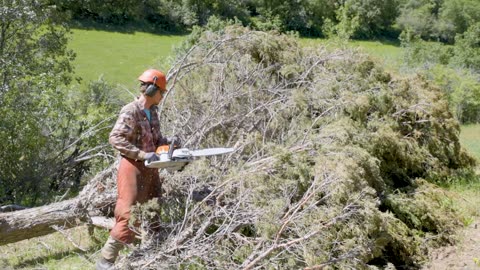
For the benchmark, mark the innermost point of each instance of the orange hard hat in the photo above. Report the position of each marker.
(149, 76)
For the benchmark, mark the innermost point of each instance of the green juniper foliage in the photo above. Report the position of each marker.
(337, 161)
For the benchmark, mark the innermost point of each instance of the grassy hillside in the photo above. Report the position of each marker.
(470, 139)
(53, 251)
(384, 51)
(119, 57)
(468, 194)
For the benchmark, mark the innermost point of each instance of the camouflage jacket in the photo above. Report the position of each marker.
(133, 135)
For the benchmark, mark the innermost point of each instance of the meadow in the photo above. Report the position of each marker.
(387, 52)
(119, 58)
(470, 139)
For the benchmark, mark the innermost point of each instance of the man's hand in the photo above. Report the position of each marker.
(151, 157)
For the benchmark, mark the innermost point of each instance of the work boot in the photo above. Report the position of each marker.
(104, 264)
(109, 254)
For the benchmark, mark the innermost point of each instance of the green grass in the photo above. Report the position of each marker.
(467, 193)
(120, 57)
(386, 52)
(470, 139)
(53, 251)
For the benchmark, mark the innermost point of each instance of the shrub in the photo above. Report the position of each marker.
(336, 161)
(467, 48)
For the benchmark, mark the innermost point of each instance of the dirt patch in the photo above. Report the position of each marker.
(464, 255)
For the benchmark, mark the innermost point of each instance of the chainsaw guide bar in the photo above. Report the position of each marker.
(182, 156)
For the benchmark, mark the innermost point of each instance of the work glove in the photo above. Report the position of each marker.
(177, 142)
(151, 157)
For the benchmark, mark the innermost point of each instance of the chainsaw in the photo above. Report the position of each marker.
(175, 159)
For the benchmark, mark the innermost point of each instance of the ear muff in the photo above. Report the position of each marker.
(152, 88)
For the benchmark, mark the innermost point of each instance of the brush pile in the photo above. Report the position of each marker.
(337, 162)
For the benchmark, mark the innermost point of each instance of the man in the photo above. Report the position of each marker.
(136, 135)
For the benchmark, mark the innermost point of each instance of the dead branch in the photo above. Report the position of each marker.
(68, 237)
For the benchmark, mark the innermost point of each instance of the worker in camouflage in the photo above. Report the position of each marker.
(136, 135)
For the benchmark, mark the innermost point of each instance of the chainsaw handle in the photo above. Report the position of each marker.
(170, 149)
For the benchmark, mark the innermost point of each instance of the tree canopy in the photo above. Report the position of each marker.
(34, 64)
(46, 130)
(439, 19)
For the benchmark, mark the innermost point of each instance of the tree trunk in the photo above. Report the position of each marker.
(97, 199)
(34, 222)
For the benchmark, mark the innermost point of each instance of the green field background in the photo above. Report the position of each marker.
(470, 139)
(119, 57)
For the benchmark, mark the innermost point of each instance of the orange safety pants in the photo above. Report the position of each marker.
(135, 183)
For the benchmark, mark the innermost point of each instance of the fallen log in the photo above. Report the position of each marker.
(34, 222)
(95, 201)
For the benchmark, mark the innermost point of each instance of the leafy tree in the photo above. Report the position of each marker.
(375, 17)
(225, 9)
(35, 63)
(345, 25)
(167, 15)
(462, 89)
(117, 12)
(438, 19)
(304, 16)
(48, 130)
(319, 12)
(96, 109)
(419, 17)
(467, 48)
(456, 16)
(291, 13)
(362, 19)
(427, 53)
(453, 68)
